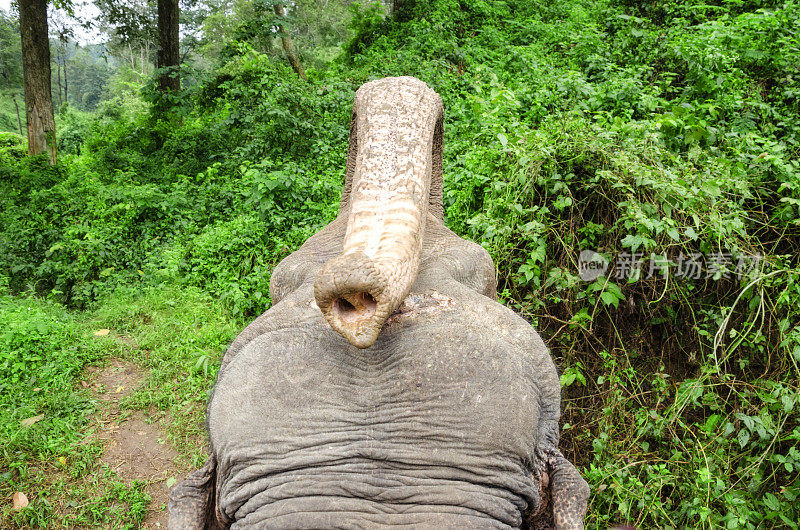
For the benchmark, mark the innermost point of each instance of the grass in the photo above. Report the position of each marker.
(45, 350)
(180, 336)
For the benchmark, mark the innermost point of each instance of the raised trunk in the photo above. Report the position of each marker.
(395, 148)
(286, 42)
(36, 76)
(168, 40)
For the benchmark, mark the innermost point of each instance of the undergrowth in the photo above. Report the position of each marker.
(50, 448)
(46, 428)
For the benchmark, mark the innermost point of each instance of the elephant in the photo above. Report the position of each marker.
(385, 386)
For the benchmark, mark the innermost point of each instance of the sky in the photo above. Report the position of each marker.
(84, 10)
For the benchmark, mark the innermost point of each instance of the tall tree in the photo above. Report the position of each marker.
(286, 41)
(36, 76)
(64, 67)
(10, 63)
(169, 56)
(89, 72)
(60, 25)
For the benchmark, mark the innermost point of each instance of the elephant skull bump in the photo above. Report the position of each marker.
(386, 386)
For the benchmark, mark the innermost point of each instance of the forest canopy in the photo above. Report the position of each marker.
(657, 140)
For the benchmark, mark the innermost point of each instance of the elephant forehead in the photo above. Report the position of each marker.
(431, 415)
(433, 384)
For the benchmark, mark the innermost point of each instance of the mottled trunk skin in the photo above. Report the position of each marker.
(386, 207)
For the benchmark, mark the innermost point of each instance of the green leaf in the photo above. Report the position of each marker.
(503, 139)
(633, 241)
(614, 289)
(673, 233)
(609, 299)
(712, 189)
(744, 437)
(748, 421)
(772, 502)
(788, 402)
(712, 422)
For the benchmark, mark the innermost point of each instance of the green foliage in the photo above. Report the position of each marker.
(12, 144)
(10, 74)
(44, 415)
(89, 74)
(167, 187)
(599, 129)
(73, 128)
(366, 24)
(42, 351)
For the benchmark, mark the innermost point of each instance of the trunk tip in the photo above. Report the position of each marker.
(349, 291)
(355, 308)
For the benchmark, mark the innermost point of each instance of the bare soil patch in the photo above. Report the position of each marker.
(135, 446)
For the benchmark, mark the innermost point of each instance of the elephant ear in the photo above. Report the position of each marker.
(192, 503)
(567, 493)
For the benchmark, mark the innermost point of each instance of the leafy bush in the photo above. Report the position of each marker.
(8, 139)
(73, 129)
(145, 185)
(598, 129)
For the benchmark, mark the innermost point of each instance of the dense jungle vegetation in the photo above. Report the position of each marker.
(663, 135)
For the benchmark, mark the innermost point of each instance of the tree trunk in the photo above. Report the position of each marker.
(286, 41)
(58, 79)
(64, 67)
(19, 120)
(36, 76)
(168, 40)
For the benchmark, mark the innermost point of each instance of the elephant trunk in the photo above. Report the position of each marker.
(396, 123)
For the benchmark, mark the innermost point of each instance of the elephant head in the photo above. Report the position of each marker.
(385, 386)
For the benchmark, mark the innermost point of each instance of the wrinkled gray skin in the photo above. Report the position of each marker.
(446, 417)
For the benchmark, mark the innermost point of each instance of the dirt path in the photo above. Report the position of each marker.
(136, 447)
